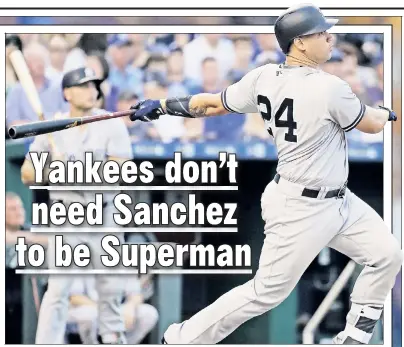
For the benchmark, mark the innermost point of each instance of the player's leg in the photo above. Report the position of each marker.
(111, 323)
(85, 318)
(53, 312)
(294, 236)
(366, 239)
(145, 319)
(110, 288)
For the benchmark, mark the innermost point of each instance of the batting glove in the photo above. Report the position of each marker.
(147, 110)
(392, 114)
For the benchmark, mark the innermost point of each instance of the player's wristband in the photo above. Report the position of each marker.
(392, 114)
(179, 107)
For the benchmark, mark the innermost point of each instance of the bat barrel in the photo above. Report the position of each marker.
(50, 126)
(39, 128)
(12, 132)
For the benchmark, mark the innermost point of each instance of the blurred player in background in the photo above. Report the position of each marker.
(140, 317)
(16, 227)
(106, 140)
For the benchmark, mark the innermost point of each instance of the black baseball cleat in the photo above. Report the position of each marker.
(163, 341)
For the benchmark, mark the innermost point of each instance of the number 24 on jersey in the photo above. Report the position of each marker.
(289, 123)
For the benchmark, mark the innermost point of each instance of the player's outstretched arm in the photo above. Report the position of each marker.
(237, 98)
(195, 106)
(349, 112)
(374, 119)
(192, 106)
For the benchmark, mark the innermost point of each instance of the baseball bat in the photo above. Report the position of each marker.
(24, 76)
(50, 126)
(27, 83)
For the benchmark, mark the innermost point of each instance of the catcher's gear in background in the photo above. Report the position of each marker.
(147, 110)
(300, 21)
(81, 76)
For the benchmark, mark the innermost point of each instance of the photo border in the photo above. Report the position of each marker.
(387, 31)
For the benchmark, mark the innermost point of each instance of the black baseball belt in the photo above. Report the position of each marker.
(313, 193)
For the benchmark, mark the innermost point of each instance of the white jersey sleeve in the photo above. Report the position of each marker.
(344, 106)
(240, 97)
(119, 144)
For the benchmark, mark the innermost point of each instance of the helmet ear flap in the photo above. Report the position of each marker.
(99, 90)
(64, 94)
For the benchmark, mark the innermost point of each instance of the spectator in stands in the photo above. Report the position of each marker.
(159, 39)
(81, 45)
(13, 42)
(76, 57)
(140, 317)
(267, 50)
(58, 50)
(243, 48)
(208, 45)
(122, 74)
(156, 63)
(357, 87)
(28, 38)
(226, 127)
(156, 87)
(334, 65)
(210, 75)
(139, 131)
(159, 43)
(175, 74)
(376, 91)
(138, 52)
(98, 62)
(352, 55)
(15, 226)
(18, 107)
(180, 40)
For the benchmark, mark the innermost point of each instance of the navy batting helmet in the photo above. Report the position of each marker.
(80, 76)
(299, 21)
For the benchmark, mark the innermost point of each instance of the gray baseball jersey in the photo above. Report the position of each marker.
(307, 112)
(103, 139)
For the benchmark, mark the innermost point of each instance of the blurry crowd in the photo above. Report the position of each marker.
(156, 66)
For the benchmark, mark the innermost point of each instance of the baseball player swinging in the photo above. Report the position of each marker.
(106, 140)
(307, 206)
